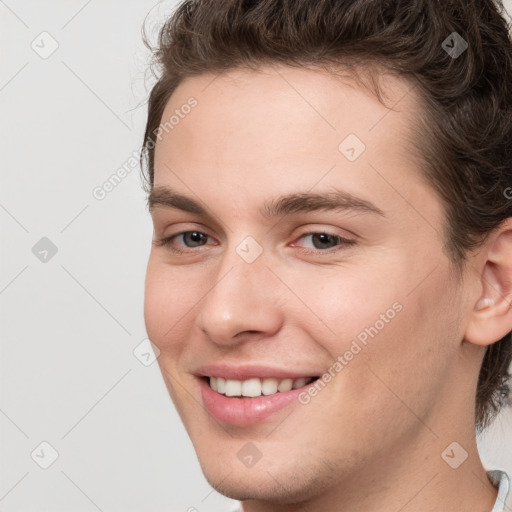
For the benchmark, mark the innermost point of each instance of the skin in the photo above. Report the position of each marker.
(372, 439)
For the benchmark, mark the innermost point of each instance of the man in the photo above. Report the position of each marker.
(331, 277)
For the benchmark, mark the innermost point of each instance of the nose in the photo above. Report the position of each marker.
(242, 303)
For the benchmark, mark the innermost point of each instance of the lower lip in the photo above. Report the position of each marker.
(243, 411)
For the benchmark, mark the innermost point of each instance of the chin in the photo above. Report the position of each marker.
(258, 490)
(280, 484)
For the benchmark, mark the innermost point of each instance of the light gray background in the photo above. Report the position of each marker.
(69, 376)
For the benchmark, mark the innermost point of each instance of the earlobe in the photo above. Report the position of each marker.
(484, 303)
(490, 320)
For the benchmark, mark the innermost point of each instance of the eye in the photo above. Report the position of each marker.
(320, 242)
(191, 240)
(323, 242)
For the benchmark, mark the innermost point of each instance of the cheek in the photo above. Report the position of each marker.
(393, 370)
(351, 303)
(375, 320)
(169, 298)
(408, 361)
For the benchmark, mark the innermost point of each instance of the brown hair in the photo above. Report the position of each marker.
(465, 143)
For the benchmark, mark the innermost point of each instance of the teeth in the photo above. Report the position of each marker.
(285, 385)
(251, 387)
(233, 387)
(269, 386)
(298, 383)
(221, 384)
(256, 387)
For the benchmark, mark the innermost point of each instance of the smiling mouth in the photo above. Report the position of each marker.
(255, 387)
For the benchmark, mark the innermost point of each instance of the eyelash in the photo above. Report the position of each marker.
(343, 243)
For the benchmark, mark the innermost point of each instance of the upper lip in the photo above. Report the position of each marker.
(245, 372)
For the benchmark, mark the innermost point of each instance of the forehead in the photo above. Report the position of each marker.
(278, 126)
(258, 104)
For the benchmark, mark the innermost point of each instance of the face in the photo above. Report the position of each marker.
(302, 243)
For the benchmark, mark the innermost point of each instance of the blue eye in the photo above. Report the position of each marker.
(196, 238)
(324, 240)
(321, 242)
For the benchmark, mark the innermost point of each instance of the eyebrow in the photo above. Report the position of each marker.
(297, 202)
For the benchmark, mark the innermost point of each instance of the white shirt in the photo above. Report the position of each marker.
(498, 478)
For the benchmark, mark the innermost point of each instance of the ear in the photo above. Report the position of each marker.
(491, 317)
